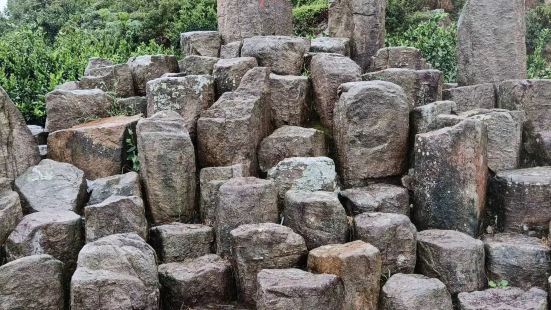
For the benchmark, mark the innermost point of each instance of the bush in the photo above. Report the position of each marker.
(308, 17)
(538, 67)
(537, 20)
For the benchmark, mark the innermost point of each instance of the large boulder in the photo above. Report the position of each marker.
(10, 211)
(330, 45)
(480, 96)
(127, 184)
(197, 65)
(150, 67)
(398, 57)
(503, 298)
(231, 49)
(379, 197)
(289, 99)
(201, 43)
(284, 55)
(132, 105)
(228, 73)
(116, 79)
(96, 63)
(177, 242)
(414, 292)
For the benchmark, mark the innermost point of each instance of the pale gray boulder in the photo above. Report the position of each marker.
(177, 242)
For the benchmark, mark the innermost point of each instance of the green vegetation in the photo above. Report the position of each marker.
(538, 36)
(308, 15)
(498, 284)
(132, 152)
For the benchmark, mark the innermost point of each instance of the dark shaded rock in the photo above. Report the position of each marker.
(289, 99)
(177, 242)
(197, 65)
(132, 105)
(127, 184)
(116, 79)
(228, 73)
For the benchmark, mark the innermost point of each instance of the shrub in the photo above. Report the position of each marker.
(537, 20)
(538, 67)
(308, 17)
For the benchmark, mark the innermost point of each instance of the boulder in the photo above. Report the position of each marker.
(52, 186)
(480, 96)
(177, 242)
(11, 212)
(380, 197)
(150, 67)
(358, 264)
(167, 167)
(99, 148)
(116, 79)
(503, 298)
(318, 217)
(263, 246)
(33, 283)
(132, 105)
(197, 65)
(243, 201)
(284, 55)
(491, 43)
(289, 100)
(199, 281)
(231, 50)
(228, 72)
(96, 63)
(127, 184)
(116, 272)
(68, 108)
(453, 257)
(371, 127)
(414, 292)
(398, 57)
(201, 43)
(40, 135)
(290, 141)
(330, 45)
(393, 235)
(423, 118)
(281, 289)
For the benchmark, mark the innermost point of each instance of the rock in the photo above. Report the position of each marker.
(453, 257)
(132, 105)
(521, 260)
(33, 282)
(491, 42)
(57, 233)
(210, 180)
(39, 134)
(115, 215)
(398, 57)
(167, 161)
(243, 201)
(358, 264)
(229, 72)
(296, 289)
(504, 298)
(263, 246)
(231, 50)
(197, 65)
(116, 79)
(371, 126)
(423, 117)
(395, 237)
(284, 55)
(330, 45)
(177, 242)
(116, 272)
(420, 86)
(52, 186)
(451, 176)
(361, 21)
(238, 20)
(11, 213)
(304, 174)
(127, 184)
(99, 148)
(385, 198)
(481, 96)
(415, 292)
(201, 43)
(318, 217)
(96, 63)
(150, 67)
(188, 96)
(290, 141)
(71, 85)
(289, 100)
(66, 109)
(328, 72)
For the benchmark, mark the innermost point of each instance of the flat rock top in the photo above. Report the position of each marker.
(293, 131)
(448, 239)
(507, 298)
(293, 279)
(319, 197)
(109, 122)
(373, 192)
(515, 240)
(189, 269)
(342, 251)
(411, 284)
(237, 184)
(531, 176)
(180, 228)
(33, 221)
(383, 220)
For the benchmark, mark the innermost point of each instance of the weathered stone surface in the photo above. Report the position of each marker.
(150, 67)
(398, 57)
(210, 180)
(284, 55)
(453, 257)
(330, 45)
(491, 43)
(115, 215)
(116, 79)
(167, 167)
(395, 237)
(358, 264)
(420, 86)
(304, 174)
(197, 65)
(40, 135)
(521, 260)
(363, 21)
(504, 298)
(481, 96)
(116, 272)
(281, 289)
(290, 141)
(229, 72)
(188, 96)
(243, 201)
(66, 109)
(318, 217)
(451, 176)
(423, 117)
(132, 105)
(57, 233)
(52, 186)
(71, 85)
(96, 63)
(10, 213)
(98, 148)
(520, 199)
(289, 99)
(177, 242)
(203, 280)
(328, 72)
(201, 43)
(414, 292)
(33, 283)
(263, 246)
(244, 19)
(127, 184)
(380, 197)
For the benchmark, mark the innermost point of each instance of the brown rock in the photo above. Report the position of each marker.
(481, 96)
(289, 99)
(10, 213)
(115, 79)
(415, 292)
(150, 67)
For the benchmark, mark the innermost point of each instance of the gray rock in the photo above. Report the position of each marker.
(229, 72)
(150, 67)
(116, 79)
(385, 198)
(132, 105)
(289, 99)
(284, 55)
(197, 65)
(10, 213)
(424, 117)
(40, 135)
(398, 57)
(96, 63)
(504, 298)
(71, 85)
(177, 242)
(127, 184)
(231, 50)
(330, 45)
(481, 96)
(414, 292)
(201, 43)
